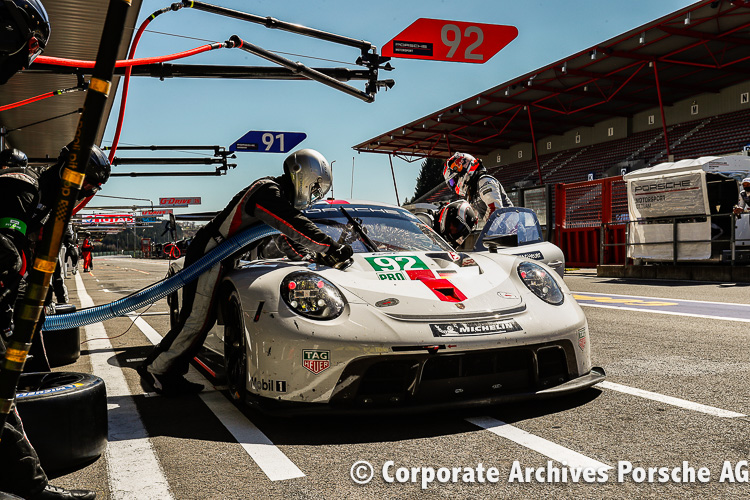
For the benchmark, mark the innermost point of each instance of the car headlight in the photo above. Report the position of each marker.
(539, 281)
(312, 296)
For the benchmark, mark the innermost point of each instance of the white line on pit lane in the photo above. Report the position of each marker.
(268, 456)
(552, 450)
(682, 403)
(133, 469)
(671, 313)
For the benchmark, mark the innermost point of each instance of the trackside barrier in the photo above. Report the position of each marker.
(722, 249)
(590, 218)
(159, 290)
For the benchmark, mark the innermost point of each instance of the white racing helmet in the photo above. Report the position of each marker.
(310, 174)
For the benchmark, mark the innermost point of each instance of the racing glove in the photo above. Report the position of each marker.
(335, 255)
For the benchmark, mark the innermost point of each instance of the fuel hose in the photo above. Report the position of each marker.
(159, 290)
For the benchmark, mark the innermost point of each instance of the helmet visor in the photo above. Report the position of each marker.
(316, 192)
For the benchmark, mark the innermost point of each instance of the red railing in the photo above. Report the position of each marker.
(588, 214)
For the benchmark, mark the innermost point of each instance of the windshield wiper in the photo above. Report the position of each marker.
(366, 239)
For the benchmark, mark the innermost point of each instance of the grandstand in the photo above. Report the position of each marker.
(674, 88)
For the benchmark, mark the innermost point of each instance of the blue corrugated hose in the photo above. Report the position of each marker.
(159, 290)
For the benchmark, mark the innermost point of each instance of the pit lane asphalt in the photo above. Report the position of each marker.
(696, 359)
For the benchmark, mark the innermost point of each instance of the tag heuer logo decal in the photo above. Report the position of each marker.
(316, 361)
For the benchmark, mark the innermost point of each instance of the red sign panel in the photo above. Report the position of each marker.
(109, 219)
(156, 212)
(179, 202)
(457, 41)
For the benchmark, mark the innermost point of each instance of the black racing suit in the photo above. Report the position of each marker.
(22, 211)
(265, 200)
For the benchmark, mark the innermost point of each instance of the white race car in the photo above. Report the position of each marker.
(410, 324)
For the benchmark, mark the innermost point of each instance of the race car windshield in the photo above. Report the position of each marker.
(389, 229)
(510, 221)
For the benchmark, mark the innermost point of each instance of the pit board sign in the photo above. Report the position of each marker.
(443, 40)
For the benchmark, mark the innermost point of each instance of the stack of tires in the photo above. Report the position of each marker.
(64, 413)
(63, 346)
(65, 417)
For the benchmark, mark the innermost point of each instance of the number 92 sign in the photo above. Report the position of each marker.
(458, 41)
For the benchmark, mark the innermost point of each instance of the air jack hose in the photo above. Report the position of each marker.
(159, 290)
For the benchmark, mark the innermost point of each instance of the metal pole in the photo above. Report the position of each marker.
(661, 109)
(393, 174)
(72, 178)
(533, 142)
(334, 161)
(732, 242)
(674, 240)
(270, 22)
(351, 188)
(301, 69)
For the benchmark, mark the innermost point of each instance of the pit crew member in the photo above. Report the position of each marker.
(276, 201)
(26, 199)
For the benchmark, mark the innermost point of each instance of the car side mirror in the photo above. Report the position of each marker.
(500, 241)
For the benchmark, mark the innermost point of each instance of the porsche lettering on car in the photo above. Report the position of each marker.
(411, 323)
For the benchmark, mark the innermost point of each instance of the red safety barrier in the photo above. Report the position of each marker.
(582, 211)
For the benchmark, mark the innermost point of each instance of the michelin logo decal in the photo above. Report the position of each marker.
(475, 328)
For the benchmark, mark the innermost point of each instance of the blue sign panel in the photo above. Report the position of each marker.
(259, 141)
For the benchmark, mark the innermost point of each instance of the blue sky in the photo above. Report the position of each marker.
(203, 111)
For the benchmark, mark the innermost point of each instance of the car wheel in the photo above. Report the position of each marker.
(235, 352)
(65, 417)
(63, 346)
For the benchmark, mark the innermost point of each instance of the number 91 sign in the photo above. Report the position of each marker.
(260, 141)
(440, 40)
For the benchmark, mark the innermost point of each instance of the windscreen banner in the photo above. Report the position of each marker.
(667, 196)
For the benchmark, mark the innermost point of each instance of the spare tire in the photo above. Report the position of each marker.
(65, 417)
(63, 346)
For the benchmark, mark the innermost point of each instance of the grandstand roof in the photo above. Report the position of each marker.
(44, 127)
(695, 50)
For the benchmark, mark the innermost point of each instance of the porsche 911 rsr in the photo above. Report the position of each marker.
(411, 323)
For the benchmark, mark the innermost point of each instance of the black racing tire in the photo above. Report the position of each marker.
(63, 346)
(235, 349)
(65, 417)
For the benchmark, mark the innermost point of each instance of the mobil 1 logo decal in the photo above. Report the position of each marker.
(316, 361)
(269, 385)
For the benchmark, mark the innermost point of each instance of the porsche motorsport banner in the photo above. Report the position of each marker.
(667, 196)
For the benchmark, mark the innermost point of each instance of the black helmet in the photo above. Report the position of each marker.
(456, 221)
(97, 171)
(13, 158)
(24, 32)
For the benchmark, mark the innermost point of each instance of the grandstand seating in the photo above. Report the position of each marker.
(711, 136)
